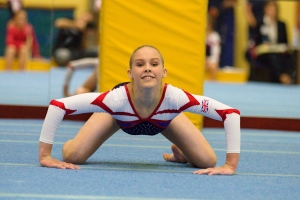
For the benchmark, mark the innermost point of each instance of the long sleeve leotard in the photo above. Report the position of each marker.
(117, 103)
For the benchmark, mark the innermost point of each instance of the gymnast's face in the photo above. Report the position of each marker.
(147, 68)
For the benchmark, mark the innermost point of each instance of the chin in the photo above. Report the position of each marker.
(149, 84)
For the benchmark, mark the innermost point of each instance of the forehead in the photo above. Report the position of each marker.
(146, 52)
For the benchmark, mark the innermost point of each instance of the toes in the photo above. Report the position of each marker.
(169, 157)
(178, 155)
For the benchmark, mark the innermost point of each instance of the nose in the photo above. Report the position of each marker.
(147, 68)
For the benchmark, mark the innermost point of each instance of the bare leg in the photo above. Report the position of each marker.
(90, 137)
(189, 144)
(10, 53)
(23, 57)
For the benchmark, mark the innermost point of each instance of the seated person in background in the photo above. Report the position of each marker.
(213, 49)
(69, 43)
(20, 40)
(272, 45)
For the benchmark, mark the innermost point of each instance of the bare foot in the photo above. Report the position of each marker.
(176, 156)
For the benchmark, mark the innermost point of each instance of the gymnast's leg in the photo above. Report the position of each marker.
(98, 128)
(189, 145)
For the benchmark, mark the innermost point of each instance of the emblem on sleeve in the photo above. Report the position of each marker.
(204, 107)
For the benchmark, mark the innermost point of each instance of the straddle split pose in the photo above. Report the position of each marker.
(145, 106)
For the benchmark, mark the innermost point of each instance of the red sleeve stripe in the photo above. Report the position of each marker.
(99, 102)
(223, 113)
(61, 106)
(192, 102)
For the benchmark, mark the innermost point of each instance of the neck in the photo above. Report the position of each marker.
(146, 97)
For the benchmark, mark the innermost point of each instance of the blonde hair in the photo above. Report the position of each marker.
(140, 47)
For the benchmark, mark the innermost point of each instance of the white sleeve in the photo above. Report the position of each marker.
(211, 108)
(59, 108)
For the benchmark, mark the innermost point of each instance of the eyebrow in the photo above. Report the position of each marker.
(140, 59)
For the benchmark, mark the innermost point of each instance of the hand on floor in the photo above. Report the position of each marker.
(221, 170)
(54, 163)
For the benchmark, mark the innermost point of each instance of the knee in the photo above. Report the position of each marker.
(10, 50)
(72, 155)
(211, 161)
(207, 162)
(23, 51)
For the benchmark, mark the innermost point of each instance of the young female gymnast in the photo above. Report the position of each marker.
(145, 106)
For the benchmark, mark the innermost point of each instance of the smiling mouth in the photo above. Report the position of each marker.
(147, 77)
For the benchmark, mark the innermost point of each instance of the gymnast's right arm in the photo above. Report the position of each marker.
(83, 103)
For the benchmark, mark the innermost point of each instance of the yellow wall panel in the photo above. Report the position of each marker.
(176, 28)
(80, 6)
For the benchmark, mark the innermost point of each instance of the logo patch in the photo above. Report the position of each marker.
(204, 107)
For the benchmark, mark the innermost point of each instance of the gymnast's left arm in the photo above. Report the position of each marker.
(231, 120)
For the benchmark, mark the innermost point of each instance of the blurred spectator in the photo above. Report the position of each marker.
(296, 43)
(70, 41)
(96, 5)
(213, 49)
(225, 27)
(14, 6)
(254, 15)
(298, 14)
(90, 84)
(21, 41)
(296, 33)
(272, 45)
(214, 7)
